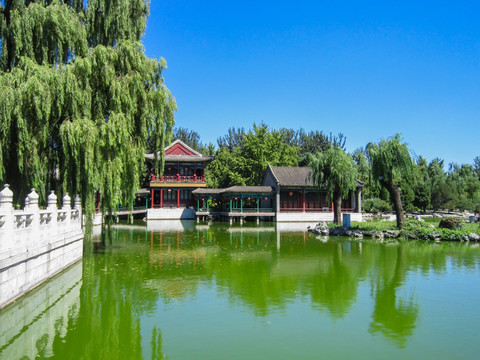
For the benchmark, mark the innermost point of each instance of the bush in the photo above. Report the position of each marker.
(375, 205)
(455, 235)
(451, 223)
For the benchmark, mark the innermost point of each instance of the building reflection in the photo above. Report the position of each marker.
(262, 269)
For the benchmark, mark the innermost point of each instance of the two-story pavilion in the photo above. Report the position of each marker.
(171, 194)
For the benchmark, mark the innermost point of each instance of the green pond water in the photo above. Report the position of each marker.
(179, 290)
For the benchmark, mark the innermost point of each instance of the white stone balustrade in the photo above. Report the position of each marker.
(31, 215)
(36, 244)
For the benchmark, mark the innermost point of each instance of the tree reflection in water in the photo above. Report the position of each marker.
(394, 316)
(136, 271)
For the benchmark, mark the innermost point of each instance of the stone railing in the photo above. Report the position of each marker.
(36, 244)
(32, 217)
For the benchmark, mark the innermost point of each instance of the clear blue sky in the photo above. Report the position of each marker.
(367, 69)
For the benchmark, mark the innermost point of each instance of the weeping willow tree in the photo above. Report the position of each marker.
(391, 163)
(78, 98)
(334, 170)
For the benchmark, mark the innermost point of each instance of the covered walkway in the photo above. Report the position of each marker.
(235, 203)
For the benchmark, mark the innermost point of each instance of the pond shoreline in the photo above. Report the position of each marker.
(413, 231)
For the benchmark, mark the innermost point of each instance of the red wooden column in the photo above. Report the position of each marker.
(303, 200)
(151, 194)
(161, 198)
(178, 198)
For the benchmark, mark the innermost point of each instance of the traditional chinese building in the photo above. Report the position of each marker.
(287, 194)
(171, 194)
(297, 197)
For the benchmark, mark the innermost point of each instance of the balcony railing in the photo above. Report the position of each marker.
(178, 178)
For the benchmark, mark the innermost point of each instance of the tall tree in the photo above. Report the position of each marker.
(334, 170)
(422, 187)
(232, 140)
(79, 98)
(189, 137)
(261, 147)
(391, 163)
(243, 157)
(441, 194)
(476, 165)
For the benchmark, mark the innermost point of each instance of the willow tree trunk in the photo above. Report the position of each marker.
(396, 198)
(337, 207)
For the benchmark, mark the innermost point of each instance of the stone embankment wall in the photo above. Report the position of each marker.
(36, 244)
(32, 324)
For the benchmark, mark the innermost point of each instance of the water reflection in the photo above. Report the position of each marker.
(394, 316)
(138, 276)
(33, 325)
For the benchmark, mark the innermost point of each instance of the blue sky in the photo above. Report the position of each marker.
(367, 69)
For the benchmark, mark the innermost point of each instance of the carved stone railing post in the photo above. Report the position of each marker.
(77, 205)
(6, 208)
(67, 207)
(52, 207)
(33, 217)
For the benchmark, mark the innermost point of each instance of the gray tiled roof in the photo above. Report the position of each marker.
(248, 189)
(235, 189)
(202, 191)
(292, 175)
(296, 176)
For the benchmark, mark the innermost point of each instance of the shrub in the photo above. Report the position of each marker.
(375, 205)
(451, 223)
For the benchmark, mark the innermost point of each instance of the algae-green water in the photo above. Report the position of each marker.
(181, 290)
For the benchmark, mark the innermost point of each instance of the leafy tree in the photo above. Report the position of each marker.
(261, 147)
(476, 165)
(465, 184)
(440, 193)
(391, 164)
(226, 169)
(311, 142)
(335, 171)
(232, 140)
(243, 157)
(422, 186)
(364, 173)
(79, 98)
(189, 137)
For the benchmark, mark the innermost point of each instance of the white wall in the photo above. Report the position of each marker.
(312, 217)
(171, 214)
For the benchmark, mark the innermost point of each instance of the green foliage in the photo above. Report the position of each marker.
(375, 205)
(243, 157)
(374, 225)
(311, 142)
(452, 234)
(476, 165)
(451, 223)
(422, 187)
(390, 160)
(79, 99)
(333, 171)
(415, 229)
(391, 166)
